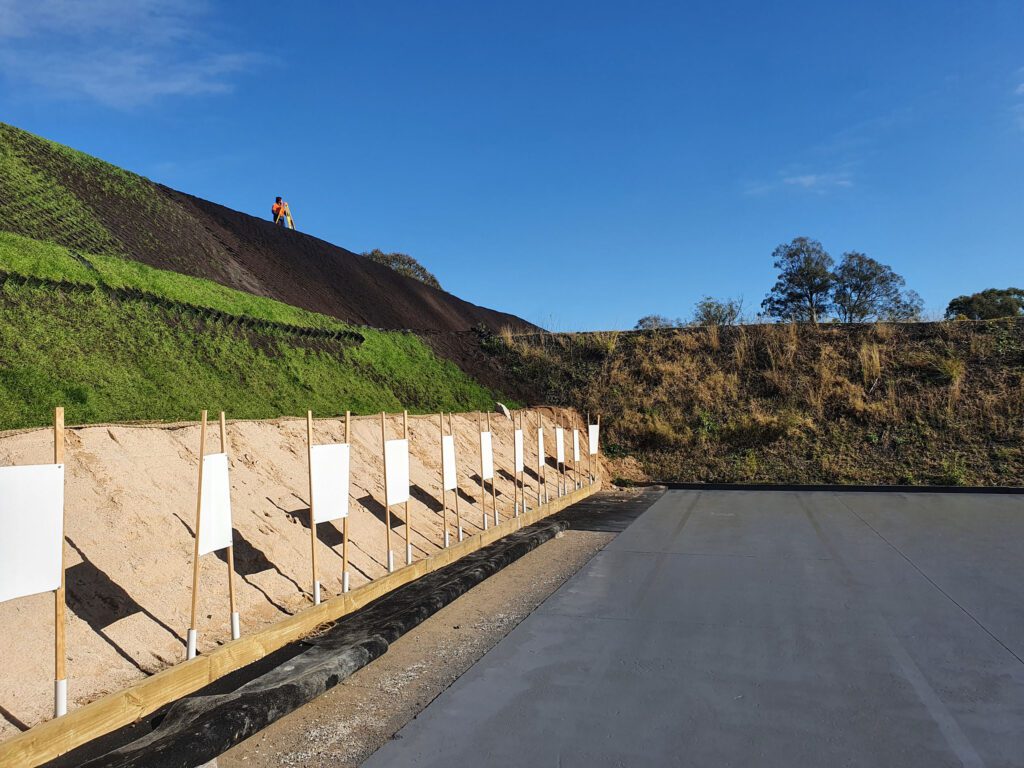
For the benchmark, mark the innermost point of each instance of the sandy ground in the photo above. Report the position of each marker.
(350, 722)
(130, 508)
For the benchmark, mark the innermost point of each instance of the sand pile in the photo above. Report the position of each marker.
(130, 509)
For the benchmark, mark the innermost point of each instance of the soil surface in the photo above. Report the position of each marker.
(130, 507)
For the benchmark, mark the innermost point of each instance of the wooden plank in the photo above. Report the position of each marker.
(53, 738)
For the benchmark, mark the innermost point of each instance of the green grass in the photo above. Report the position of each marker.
(109, 360)
(24, 256)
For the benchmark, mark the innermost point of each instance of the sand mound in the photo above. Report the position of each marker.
(130, 498)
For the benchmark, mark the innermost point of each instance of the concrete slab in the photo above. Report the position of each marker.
(766, 628)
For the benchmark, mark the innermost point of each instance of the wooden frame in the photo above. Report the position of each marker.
(191, 646)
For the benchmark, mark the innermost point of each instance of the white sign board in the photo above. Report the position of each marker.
(560, 447)
(396, 482)
(576, 446)
(215, 510)
(31, 529)
(486, 456)
(540, 445)
(448, 462)
(518, 440)
(329, 465)
(592, 431)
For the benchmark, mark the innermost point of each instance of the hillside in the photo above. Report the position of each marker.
(114, 340)
(52, 193)
(910, 404)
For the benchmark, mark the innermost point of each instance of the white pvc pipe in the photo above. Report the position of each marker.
(408, 554)
(316, 593)
(236, 627)
(496, 519)
(460, 533)
(485, 521)
(344, 582)
(391, 561)
(191, 652)
(447, 539)
(60, 697)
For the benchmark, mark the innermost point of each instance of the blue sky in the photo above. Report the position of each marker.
(577, 163)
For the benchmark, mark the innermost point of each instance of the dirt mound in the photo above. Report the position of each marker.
(50, 192)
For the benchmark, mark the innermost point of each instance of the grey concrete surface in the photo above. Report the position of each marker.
(727, 628)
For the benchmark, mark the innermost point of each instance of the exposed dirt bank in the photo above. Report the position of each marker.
(130, 500)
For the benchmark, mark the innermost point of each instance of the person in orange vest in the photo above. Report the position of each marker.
(277, 211)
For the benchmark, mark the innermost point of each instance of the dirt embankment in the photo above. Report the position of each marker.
(901, 404)
(130, 507)
(52, 193)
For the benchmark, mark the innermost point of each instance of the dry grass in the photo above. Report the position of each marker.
(887, 403)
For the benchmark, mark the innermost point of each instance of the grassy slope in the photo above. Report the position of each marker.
(107, 359)
(935, 403)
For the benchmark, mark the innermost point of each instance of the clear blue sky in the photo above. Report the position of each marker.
(578, 163)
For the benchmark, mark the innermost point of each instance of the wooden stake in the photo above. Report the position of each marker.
(231, 547)
(60, 675)
(344, 521)
(541, 478)
(483, 492)
(444, 493)
(458, 515)
(387, 507)
(195, 552)
(312, 514)
(494, 480)
(408, 519)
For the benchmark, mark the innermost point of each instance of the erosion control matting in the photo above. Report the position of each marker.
(197, 728)
(738, 628)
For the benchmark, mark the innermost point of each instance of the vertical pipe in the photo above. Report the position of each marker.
(235, 628)
(60, 675)
(312, 512)
(387, 507)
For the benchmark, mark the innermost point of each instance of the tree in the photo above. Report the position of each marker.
(864, 289)
(404, 264)
(654, 322)
(712, 311)
(988, 304)
(805, 282)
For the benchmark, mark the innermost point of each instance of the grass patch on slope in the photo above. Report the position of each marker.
(110, 360)
(33, 258)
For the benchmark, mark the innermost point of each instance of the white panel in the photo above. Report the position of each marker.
(560, 447)
(592, 431)
(215, 515)
(448, 461)
(576, 446)
(31, 529)
(487, 455)
(520, 464)
(540, 445)
(330, 468)
(396, 483)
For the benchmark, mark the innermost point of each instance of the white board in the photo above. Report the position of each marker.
(486, 456)
(31, 529)
(576, 446)
(560, 447)
(215, 514)
(330, 467)
(592, 431)
(540, 445)
(448, 462)
(396, 483)
(518, 440)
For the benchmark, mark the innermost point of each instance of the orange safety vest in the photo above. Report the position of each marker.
(276, 209)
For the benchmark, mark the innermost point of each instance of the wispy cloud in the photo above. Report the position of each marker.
(120, 53)
(818, 183)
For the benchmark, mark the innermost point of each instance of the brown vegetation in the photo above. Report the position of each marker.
(930, 403)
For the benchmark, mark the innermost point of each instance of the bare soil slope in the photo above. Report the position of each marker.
(130, 506)
(53, 193)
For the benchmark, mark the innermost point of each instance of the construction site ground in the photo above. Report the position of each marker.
(772, 628)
